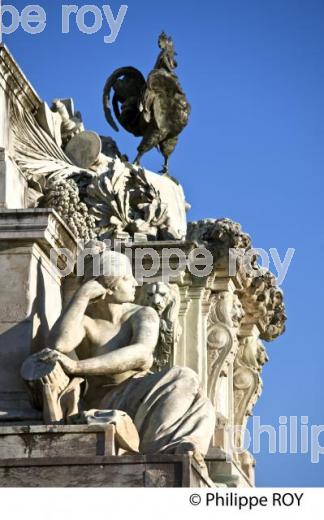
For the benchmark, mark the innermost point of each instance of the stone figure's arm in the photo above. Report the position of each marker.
(70, 329)
(136, 356)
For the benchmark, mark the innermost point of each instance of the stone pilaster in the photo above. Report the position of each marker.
(195, 339)
(180, 351)
(224, 318)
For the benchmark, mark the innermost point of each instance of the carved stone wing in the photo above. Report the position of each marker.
(36, 153)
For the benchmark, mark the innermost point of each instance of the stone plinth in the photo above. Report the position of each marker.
(34, 442)
(83, 456)
(30, 297)
(135, 471)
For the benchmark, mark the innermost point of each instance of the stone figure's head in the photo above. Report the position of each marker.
(157, 295)
(166, 300)
(112, 270)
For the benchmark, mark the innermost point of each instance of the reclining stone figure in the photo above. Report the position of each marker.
(106, 341)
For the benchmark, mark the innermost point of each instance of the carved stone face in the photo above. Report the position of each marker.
(123, 289)
(157, 296)
(277, 299)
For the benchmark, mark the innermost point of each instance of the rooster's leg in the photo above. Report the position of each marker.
(150, 140)
(166, 147)
(138, 158)
(165, 169)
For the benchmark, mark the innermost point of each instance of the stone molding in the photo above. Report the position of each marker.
(43, 226)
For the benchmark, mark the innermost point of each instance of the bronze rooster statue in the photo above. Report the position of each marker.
(156, 109)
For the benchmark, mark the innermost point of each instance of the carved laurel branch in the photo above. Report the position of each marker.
(124, 200)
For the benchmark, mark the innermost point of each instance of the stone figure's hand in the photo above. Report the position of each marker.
(52, 356)
(93, 290)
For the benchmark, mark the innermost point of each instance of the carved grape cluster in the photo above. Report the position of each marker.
(63, 196)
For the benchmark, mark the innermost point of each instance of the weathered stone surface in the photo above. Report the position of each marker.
(30, 298)
(13, 184)
(135, 471)
(33, 442)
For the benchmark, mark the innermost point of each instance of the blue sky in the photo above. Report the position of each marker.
(254, 151)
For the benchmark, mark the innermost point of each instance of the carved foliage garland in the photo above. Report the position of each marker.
(221, 233)
(263, 302)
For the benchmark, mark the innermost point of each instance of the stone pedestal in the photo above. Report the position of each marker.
(31, 299)
(82, 456)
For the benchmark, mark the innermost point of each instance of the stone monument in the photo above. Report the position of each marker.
(124, 359)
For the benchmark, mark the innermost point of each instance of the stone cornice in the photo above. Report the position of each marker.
(14, 82)
(41, 226)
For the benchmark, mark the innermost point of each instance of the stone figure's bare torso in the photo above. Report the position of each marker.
(102, 337)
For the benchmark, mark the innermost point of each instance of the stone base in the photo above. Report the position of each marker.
(35, 442)
(81, 456)
(133, 471)
(226, 472)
